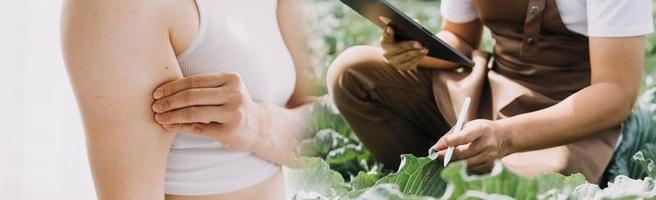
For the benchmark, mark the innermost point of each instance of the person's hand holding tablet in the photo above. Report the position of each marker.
(398, 42)
(402, 55)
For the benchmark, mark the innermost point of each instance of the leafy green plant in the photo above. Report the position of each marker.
(640, 129)
(336, 144)
(417, 177)
(314, 178)
(421, 178)
(340, 168)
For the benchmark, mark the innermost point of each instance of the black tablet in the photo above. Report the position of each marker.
(381, 13)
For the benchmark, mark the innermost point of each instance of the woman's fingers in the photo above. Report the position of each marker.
(195, 128)
(388, 35)
(395, 49)
(212, 130)
(467, 151)
(478, 159)
(477, 144)
(401, 54)
(192, 97)
(197, 114)
(463, 152)
(410, 59)
(405, 56)
(440, 145)
(204, 129)
(467, 135)
(197, 81)
(478, 163)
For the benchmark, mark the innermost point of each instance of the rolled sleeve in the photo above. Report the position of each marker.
(458, 11)
(619, 18)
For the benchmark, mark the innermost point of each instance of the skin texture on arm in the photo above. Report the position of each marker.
(116, 53)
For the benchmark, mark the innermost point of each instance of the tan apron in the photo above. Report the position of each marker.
(537, 62)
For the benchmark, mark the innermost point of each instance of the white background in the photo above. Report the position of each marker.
(42, 153)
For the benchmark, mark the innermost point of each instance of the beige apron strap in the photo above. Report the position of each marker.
(532, 26)
(451, 87)
(504, 92)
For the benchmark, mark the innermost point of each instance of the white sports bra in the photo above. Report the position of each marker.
(238, 36)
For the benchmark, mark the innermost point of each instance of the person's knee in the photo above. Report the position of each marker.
(351, 62)
(533, 163)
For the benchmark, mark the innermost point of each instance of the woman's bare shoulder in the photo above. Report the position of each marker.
(116, 13)
(126, 38)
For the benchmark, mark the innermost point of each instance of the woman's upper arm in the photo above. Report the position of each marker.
(290, 16)
(470, 32)
(461, 19)
(116, 53)
(618, 61)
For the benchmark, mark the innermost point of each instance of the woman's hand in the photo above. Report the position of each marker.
(215, 105)
(480, 143)
(401, 55)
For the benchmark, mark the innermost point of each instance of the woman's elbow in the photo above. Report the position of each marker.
(615, 102)
(625, 106)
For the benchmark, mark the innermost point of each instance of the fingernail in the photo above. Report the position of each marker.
(157, 107)
(158, 94)
(388, 30)
(417, 45)
(424, 51)
(158, 117)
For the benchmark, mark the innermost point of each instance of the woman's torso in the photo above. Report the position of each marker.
(236, 36)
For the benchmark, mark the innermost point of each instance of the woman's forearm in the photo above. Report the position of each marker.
(593, 109)
(615, 79)
(281, 128)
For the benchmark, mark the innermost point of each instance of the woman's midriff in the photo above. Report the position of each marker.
(271, 189)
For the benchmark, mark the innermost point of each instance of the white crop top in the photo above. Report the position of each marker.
(237, 36)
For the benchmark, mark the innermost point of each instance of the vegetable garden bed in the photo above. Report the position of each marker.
(337, 166)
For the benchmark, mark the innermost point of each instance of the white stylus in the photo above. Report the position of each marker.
(457, 128)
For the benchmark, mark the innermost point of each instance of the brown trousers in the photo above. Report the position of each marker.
(393, 112)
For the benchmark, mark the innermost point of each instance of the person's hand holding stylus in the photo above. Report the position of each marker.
(479, 143)
(455, 130)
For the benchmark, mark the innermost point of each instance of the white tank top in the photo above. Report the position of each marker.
(237, 36)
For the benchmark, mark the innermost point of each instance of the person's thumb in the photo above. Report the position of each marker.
(388, 35)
